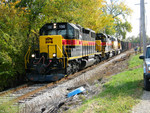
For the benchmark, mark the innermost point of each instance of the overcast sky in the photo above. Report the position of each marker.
(134, 19)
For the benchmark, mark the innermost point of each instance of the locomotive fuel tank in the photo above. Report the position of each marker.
(85, 63)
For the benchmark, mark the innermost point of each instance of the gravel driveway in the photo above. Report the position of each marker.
(144, 105)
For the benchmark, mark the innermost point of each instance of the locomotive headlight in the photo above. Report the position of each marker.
(33, 55)
(54, 54)
(54, 26)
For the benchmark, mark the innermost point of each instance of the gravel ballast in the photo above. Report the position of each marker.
(54, 97)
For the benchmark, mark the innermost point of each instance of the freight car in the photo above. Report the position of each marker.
(65, 48)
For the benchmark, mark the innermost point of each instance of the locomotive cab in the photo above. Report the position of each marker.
(115, 45)
(101, 38)
(66, 30)
(106, 44)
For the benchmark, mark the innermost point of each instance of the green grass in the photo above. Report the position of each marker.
(8, 108)
(120, 94)
(135, 61)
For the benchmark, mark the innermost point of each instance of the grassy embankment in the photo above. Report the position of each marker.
(9, 108)
(120, 94)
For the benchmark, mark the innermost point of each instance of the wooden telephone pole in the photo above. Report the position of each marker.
(142, 10)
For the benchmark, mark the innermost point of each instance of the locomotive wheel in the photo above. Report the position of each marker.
(78, 67)
(107, 56)
(97, 59)
(69, 69)
(114, 53)
(75, 67)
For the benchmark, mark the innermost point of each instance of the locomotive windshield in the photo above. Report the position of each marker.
(101, 37)
(50, 32)
(64, 29)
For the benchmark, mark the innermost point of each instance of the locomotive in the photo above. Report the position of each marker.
(65, 48)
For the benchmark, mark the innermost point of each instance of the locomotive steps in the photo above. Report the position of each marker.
(55, 97)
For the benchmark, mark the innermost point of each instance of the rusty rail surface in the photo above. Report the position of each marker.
(24, 96)
(13, 89)
(37, 90)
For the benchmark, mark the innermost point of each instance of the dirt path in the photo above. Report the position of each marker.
(144, 105)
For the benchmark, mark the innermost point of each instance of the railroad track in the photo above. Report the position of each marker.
(22, 92)
(27, 92)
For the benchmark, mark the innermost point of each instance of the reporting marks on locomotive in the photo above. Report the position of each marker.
(48, 40)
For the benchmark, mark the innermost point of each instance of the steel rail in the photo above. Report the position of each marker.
(24, 96)
(13, 89)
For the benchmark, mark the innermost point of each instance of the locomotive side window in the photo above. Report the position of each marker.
(77, 34)
(93, 35)
(70, 32)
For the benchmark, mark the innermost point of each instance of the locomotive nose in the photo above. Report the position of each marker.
(52, 45)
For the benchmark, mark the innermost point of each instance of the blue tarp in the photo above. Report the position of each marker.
(76, 91)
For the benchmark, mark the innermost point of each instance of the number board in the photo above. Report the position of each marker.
(61, 26)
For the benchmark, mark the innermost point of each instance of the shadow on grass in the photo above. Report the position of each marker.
(132, 88)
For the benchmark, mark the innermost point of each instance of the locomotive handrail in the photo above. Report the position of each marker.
(63, 55)
(64, 58)
(26, 58)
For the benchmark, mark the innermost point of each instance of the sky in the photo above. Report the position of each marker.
(134, 19)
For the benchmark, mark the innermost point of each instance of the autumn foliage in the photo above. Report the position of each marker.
(20, 21)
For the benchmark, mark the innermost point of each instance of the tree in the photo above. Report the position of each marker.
(119, 12)
(33, 9)
(12, 27)
(87, 13)
(122, 28)
(21, 20)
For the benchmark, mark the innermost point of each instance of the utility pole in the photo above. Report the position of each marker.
(140, 34)
(140, 29)
(142, 10)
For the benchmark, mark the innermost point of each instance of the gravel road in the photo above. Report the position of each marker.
(144, 105)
